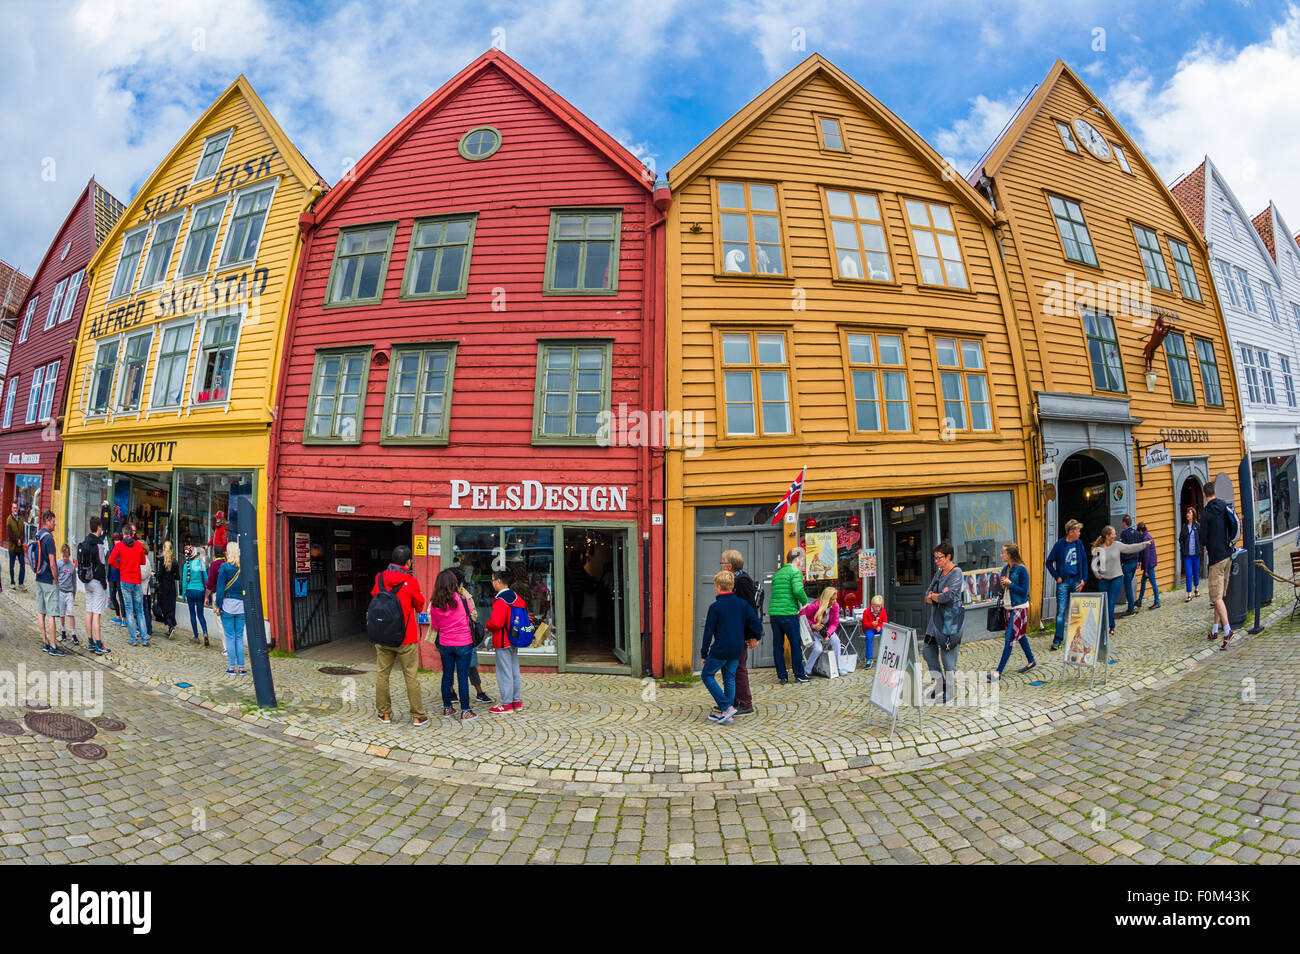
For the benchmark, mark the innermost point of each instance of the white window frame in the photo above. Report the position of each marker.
(1121, 158)
(1266, 377)
(1229, 283)
(56, 302)
(222, 264)
(46, 411)
(34, 395)
(1251, 374)
(1243, 284)
(89, 387)
(194, 402)
(1232, 222)
(1271, 301)
(148, 247)
(10, 393)
(181, 404)
(121, 250)
(70, 296)
(120, 386)
(27, 319)
(229, 134)
(1288, 381)
(221, 200)
(1067, 137)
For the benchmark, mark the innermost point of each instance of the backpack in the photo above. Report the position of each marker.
(520, 628)
(1233, 525)
(34, 553)
(385, 619)
(86, 562)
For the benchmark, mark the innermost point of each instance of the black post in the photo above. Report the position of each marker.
(1246, 492)
(254, 627)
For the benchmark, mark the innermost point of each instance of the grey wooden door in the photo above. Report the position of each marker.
(762, 552)
(909, 567)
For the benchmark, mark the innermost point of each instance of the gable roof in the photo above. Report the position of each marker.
(1211, 174)
(756, 110)
(1264, 226)
(84, 206)
(241, 87)
(1006, 143)
(545, 97)
(1189, 192)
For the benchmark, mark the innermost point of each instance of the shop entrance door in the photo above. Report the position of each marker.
(909, 560)
(762, 552)
(595, 597)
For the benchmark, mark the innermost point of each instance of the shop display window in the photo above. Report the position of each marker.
(978, 525)
(1286, 507)
(528, 554)
(1263, 499)
(839, 541)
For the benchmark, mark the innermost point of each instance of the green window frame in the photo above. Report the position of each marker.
(1180, 368)
(419, 389)
(247, 224)
(1153, 260)
(1103, 351)
(336, 409)
(572, 391)
(1075, 238)
(1187, 282)
(214, 150)
(580, 240)
(479, 143)
(440, 252)
(173, 360)
(360, 263)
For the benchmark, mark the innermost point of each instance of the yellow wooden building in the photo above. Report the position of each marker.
(835, 300)
(174, 377)
(1124, 335)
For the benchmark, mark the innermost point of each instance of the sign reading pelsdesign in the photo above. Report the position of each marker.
(534, 495)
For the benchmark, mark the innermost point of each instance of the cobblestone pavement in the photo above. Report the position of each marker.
(625, 731)
(1202, 768)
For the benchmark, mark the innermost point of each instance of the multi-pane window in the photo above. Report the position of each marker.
(583, 253)
(338, 395)
(832, 136)
(858, 229)
(360, 261)
(244, 234)
(47, 391)
(1243, 284)
(27, 319)
(1187, 282)
(879, 382)
(935, 238)
(756, 384)
(572, 390)
(1270, 301)
(56, 302)
(1209, 364)
(10, 392)
(34, 395)
(1153, 260)
(202, 237)
(1229, 286)
(1121, 158)
(750, 224)
(1266, 377)
(70, 296)
(1251, 374)
(101, 376)
(127, 262)
(1232, 222)
(1103, 351)
(479, 143)
(419, 391)
(1288, 382)
(1067, 137)
(1074, 231)
(1295, 313)
(173, 362)
(439, 260)
(1180, 368)
(214, 148)
(161, 246)
(216, 363)
(964, 384)
(135, 360)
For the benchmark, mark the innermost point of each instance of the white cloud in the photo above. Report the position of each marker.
(965, 141)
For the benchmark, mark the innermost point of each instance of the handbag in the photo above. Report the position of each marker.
(997, 621)
(805, 633)
(477, 631)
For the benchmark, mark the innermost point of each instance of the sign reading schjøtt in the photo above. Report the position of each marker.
(534, 495)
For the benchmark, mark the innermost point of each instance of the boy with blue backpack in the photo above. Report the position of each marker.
(511, 630)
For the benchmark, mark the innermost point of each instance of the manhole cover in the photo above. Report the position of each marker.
(340, 671)
(35, 704)
(109, 725)
(91, 751)
(10, 727)
(59, 725)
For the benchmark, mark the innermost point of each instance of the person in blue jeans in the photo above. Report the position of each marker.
(1105, 563)
(1015, 584)
(229, 601)
(193, 583)
(786, 599)
(730, 621)
(1190, 550)
(1129, 563)
(1147, 559)
(1067, 564)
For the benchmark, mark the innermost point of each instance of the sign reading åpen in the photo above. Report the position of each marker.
(534, 495)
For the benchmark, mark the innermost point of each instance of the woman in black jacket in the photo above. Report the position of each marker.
(167, 575)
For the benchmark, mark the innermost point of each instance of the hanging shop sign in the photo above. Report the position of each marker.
(534, 495)
(1156, 456)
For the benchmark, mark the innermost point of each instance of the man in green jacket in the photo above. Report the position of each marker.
(783, 608)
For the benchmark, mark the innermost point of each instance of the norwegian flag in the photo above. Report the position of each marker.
(791, 498)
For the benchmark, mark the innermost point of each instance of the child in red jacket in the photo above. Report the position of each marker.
(874, 619)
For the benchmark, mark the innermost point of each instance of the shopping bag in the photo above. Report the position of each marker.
(805, 634)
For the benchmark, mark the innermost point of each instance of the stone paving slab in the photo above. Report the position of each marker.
(600, 731)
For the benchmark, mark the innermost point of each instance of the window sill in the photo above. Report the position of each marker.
(866, 282)
(945, 290)
(435, 296)
(577, 292)
(352, 304)
(782, 441)
(746, 277)
(328, 442)
(566, 442)
(413, 441)
(1095, 268)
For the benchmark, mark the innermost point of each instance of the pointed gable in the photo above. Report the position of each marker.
(1189, 191)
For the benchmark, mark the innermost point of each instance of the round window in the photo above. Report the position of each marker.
(480, 142)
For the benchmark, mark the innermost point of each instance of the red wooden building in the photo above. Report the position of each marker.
(471, 346)
(48, 319)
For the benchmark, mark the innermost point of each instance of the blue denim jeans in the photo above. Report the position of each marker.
(1063, 591)
(133, 602)
(1192, 572)
(1010, 643)
(455, 661)
(783, 628)
(21, 559)
(1112, 590)
(726, 695)
(197, 619)
(1148, 574)
(233, 624)
(1129, 569)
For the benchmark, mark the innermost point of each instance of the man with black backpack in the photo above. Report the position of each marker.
(1218, 531)
(91, 570)
(511, 628)
(393, 625)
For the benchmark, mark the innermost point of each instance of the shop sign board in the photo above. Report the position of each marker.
(421, 545)
(1086, 639)
(1156, 456)
(822, 556)
(302, 553)
(899, 666)
(24, 459)
(534, 495)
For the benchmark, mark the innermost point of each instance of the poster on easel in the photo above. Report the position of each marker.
(897, 679)
(1086, 641)
(822, 556)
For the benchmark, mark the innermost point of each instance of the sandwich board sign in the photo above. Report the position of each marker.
(898, 673)
(1087, 641)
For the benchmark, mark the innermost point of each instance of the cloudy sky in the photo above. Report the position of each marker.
(106, 87)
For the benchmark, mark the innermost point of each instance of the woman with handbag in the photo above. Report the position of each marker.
(822, 616)
(228, 598)
(1015, 608)
(943, 631)
(478, 633)
(449, 621)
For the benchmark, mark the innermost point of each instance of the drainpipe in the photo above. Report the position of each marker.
(651, 458)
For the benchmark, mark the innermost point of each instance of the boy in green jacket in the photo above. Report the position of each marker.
(783, 608)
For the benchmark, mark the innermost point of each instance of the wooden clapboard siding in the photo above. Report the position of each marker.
(774, 139)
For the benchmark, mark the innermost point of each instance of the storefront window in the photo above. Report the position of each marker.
(1263, 499)
(201, 495)
(88, 496)
(739, 515)
(1282, 473)
(27, 494)
(979, 523)
(839, 541)
(528, 555)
